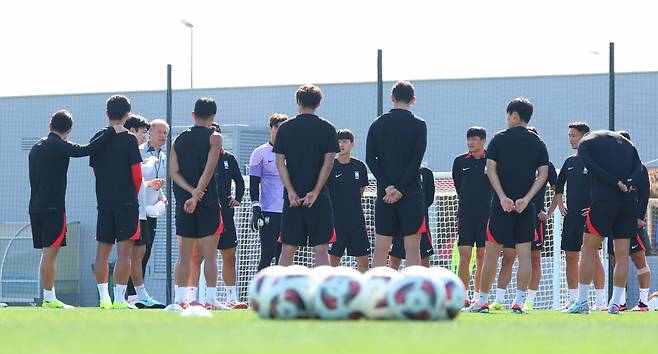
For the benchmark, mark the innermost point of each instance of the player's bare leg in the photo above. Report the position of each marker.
(321, 255)
(571, 271)
(479, 263)
(591, 244)
(382, 247)
(334, 261)
(208, 250)
(523, 274)
(228, 276)
(184, 267)
(288, 255)
(504, 277)
(491, 254)
(425, 262)
(362, 264)
(101, 271)
(644, 278)
(622, 247)
(535, 278)
(412, 248)
(192, 283)
(601, 298)
(395, 262)
(48, 274)
(463, 269)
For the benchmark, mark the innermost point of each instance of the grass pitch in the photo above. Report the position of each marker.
(90, 330)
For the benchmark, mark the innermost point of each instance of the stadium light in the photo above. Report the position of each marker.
(189, 25)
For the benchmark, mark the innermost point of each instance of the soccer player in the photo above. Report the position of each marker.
(48, 165)
(228, 171)
(193, 159)
(398, 253)
(637, 246)
(347, 182)
(305, 149)
(578, 180)
(615, 166)
(394, 151)
(118, 173)
(138, 126)
(266, 193)
(517, 167)
(540, 229)
(469, 173)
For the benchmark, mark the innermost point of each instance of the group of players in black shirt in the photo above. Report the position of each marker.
(501, 198)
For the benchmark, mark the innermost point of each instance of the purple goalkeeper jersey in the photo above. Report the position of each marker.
(263, 164)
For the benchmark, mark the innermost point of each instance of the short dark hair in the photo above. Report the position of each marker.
(205, 107)
(476, 132)
(345, 134)
(308, 96)
(61, 121)
(136, 121)
(522, 106)
(276, 119)
(625, 134)
(534, 130)
(403, 91)
(117, 107)
(581, 127)
(214, 126)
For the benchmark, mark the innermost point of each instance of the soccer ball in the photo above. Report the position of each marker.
(417, 295)
(377, 281)
(340, 295)
(292, 294)
(455, 291)
(259, 292)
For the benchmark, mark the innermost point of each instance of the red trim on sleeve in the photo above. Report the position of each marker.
(137, 175)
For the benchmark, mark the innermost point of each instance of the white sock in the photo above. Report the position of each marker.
(476, 295)
(520, 297)
(531, 296)
(211, 295)
(573, 295)
(617, 296)
(103, 292)
(600, 298)
(644, 295)
(483, 298)
(192, 293)
(623, 296)
(120, 293)
(49, 295)
(141, 292)
(181, 291)
(583, 293)
(231, 295)
(500, 295)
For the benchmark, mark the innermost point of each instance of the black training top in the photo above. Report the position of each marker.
(304, 140)
(518, 153)
(394, 150)
(49, 163)
(115, 188)
(643, 191)
(426, 177)
(345, 183)
(610, 158)
(228, 170)
(540, 197)
(192, 148)
(578, 181)
(472, 185)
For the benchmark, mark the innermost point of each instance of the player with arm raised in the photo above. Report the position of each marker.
(305, 149)
(394, 151)
(615, 166)
(266, 193)
(48, 168)
(517, 167)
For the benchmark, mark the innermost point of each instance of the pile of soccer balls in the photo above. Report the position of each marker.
(342, 293)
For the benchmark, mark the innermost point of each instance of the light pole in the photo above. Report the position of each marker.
(189, 25)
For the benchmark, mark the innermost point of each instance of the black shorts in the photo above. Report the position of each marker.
(354, 239)
(510, 229)
(612, 219)
(472, 231)
(270, 232)
(118, 225)
(229, 238)
(573, 227)
(145, 233)
(48, 229)
(404, 218)
(638, 243)
(426, 249)
(202, 223)
(540, 232)
(304, 226)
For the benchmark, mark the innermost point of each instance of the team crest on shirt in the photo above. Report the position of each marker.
(356, 174)
(485, 169)
(226, 165)
(421, 178)
(267, 220)
(585, 170)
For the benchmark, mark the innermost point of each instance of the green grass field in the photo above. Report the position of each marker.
(87, 330)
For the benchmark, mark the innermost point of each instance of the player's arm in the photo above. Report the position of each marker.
(456, 175)
(558, 198)
(643, 194)
(293, 198)
(135, 161)
(411, 171)
(236, 176)
(586, 156)
(506, 203)
(428, 187)
(211, 164)
(636, 174)
(71, 149)
(327, 165)
(540, 182)
(255, 174)
(372, 156)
